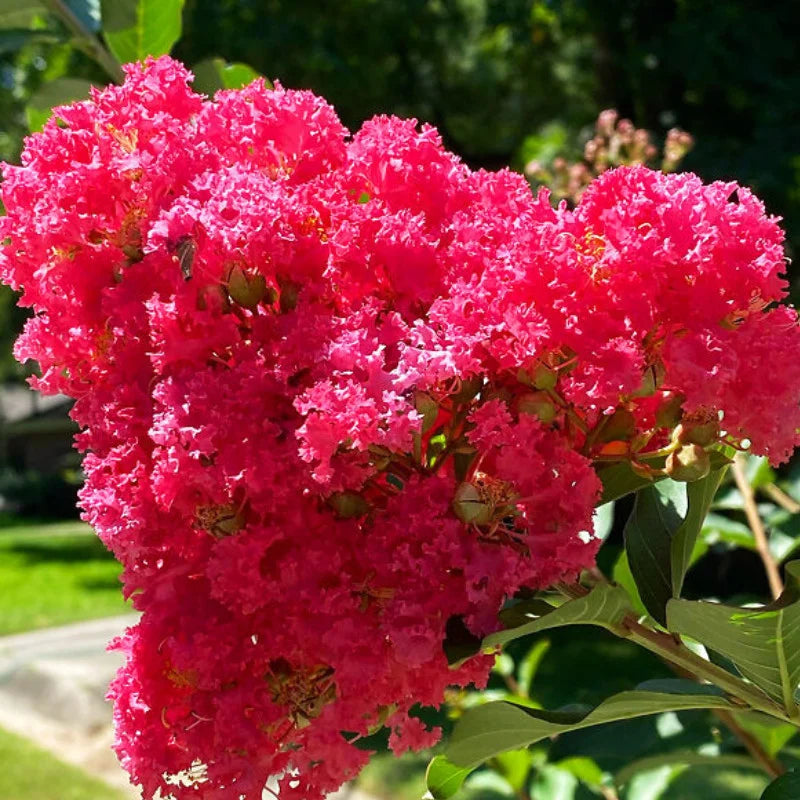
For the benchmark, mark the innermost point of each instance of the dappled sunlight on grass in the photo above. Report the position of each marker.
(54, 574)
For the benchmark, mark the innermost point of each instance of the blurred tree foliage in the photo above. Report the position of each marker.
(489, 73)
(504, 80)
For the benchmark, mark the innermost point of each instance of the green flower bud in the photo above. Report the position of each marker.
(702, 433)
(470, 507)
(246, 290)
(690, 463)
(348, 504)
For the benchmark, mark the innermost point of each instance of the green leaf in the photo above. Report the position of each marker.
(603, 521)
(787, 787)
(763, 643)
(530, 664)
(214, 74)
(661, 534)
(487, 730)
(514, 766)
(658, 513)
(700, 496)
(773, 734)
(135, 29)
(443, 778)
(54, 93)
(605, 605)
(619, 479)
(621, 574)
(586, 770)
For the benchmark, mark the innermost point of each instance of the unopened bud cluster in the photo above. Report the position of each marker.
(339, 391)
(616, 142)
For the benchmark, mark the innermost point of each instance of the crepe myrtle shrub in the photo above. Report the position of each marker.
(342, 398)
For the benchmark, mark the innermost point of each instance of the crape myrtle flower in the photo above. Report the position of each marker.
(339, 393)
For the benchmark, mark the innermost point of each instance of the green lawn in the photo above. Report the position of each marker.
(54, 574)
(28, 773)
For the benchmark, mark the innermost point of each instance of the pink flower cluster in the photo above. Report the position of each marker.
(341, 395)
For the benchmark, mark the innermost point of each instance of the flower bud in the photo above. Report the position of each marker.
(470, 506)
(538, 404)
(703, 433)
(246, 290)
(348, 504)
(690, 463)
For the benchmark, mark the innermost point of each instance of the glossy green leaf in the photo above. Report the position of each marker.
(658, 513)
(700, 495)
(487, 730)
(603, 521)
(135, 29)
(54, 93)
(214, 74)
(787, 787)
(621, 574)
(661, 534)
(619, 479)
(443, 778)
(605, 605)
(763, 643)
(529, 666)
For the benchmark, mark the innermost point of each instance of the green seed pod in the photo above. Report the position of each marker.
(348, 505)
(246, 290)
(470, 507)
(538, 404)
(702, 433)
(690, 463)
